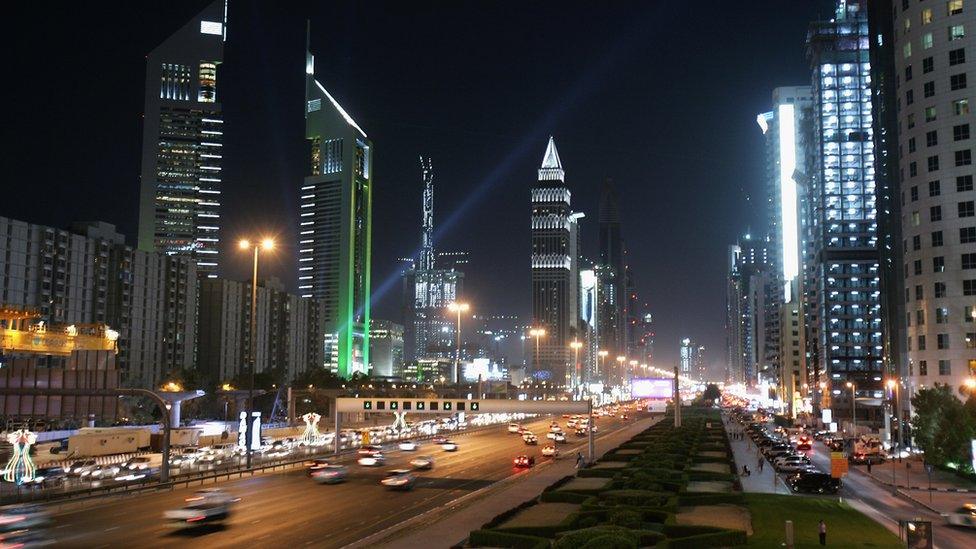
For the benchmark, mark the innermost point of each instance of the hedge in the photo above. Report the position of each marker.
(502, 517)
(725, 538)
(708, 499)
(495, 538)
(562, 496)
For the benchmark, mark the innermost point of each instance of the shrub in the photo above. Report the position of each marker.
(708, 499)
(578, 538)
(494, 538)
(626, 518)
(563, 497)
(610, 541)
(644, 498)
(727, 538)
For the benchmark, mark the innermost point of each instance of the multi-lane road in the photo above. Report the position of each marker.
(291, 509)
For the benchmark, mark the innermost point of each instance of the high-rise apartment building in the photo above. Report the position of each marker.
(612, 315)
(335, 225)
(843, 216)
(386, 338)
(746, 335)
(182, 142)
(555, 266)
(692, 360)
(932, 171)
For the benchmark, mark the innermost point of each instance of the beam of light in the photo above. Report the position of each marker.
(787, 188)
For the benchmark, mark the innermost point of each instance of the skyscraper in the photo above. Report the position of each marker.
(335, 225)
(926, 156)
(746, 335)
(428, 330)
(843, 215)
(612, 313)
(555, 266)
(182, 142)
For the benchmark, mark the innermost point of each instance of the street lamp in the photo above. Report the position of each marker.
(537, 333)
(266, 244)
(894, 386)
(458, 308)
(620, 368)
(575, 344)
(853, 387)
(603, 354)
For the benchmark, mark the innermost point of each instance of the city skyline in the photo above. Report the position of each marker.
(480, 161)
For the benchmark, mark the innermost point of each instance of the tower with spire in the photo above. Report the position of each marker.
(555, 271)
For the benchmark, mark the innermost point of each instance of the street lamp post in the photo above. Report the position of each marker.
(266, 244)
(458, 308)
(853, 387)
(536, 333)
(603, 354)
(893, 385)
(575, 344)
(620, 368)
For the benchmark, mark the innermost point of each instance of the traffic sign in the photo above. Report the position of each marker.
(838, 464)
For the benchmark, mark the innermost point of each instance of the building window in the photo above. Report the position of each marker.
(909, 97)
(954, 7)
(956, 32)
(928, 65)
(964, 157)
(923, 368)
(969, 287)
(921, 343)
(957, 57)
(917, 264)
(912, 172)
(938, 264)
(969, 261)
(926, 40)
(969, 314)
(941, 315)
(931, 138)
(964, 183)
(971, 340)
(919, 293)
(960, 132)
(967, 235)
(933, 162)
(935, 213)
(916, 243)
(940, 290)
(935, 188)
(913, 192)
(960, 107)
(926, 16)
(906, 50)
(915, 220)
(957, 81)
(942, 341)
(928, 89)
(920, 321)
(945, 368)
(967, 209)
(930, 114)
(908, 73)
(910, 120)
(936, 239)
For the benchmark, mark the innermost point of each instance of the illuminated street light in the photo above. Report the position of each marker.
(267, 244)
(458, 308)
(537, 333)
(853, 387)
(576, 345)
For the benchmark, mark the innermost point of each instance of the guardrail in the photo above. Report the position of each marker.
(151, 483)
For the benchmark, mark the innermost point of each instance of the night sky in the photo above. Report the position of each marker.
(660, 96)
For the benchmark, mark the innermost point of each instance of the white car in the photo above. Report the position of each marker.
(422, 462)
(963, 516)
(560, 437)
(550, 451)
(514, 427)
(374, 460)
(551, 435)
(409, 446)
(399, 479)
(449, 446)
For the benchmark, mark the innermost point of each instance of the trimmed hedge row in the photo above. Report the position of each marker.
(496, 538)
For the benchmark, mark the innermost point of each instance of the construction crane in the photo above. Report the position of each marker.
(22, 332)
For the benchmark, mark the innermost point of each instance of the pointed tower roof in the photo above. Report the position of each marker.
(552, 167)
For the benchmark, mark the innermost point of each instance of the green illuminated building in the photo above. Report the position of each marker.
(335, 229)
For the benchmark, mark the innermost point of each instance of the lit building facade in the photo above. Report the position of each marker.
(386, 339)
(748, 278)
(335, 225)
(612, 315)
(182, 143)
(843, 217)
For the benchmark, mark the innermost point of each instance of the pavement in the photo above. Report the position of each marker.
(760, 480)
(939, 491)
(289, 509)
(461, 517)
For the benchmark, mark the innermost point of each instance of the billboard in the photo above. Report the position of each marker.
(652, 388)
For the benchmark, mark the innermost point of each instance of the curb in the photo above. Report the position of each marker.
(922, 488)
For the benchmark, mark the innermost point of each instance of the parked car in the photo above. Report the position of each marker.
(821, 483)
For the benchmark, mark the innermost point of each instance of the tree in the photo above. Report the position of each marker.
(318, 377)
(712, 392)
(943, 426)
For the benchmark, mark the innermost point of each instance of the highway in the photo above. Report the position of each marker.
(291, 509)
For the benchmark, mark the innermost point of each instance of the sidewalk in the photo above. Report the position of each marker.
(451, 524)
(940, 491)
(746, 453)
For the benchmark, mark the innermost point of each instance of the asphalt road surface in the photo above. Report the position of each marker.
(291, 509)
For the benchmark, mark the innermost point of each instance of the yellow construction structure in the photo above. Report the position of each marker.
(21, 332)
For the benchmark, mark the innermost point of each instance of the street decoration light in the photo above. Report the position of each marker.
(20, 468)
(266, 244)
(576, 345)
(311, 435)
(458, 308)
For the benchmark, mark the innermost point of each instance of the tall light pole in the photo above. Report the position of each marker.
(536, 333)
(853, 387)
(575, 344)
(268, 245)
(458, 308)
(603, 354)
(620, 369)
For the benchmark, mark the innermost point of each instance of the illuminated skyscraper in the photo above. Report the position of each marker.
(612, 314)
(555, 268)
(182, 143)
(846, 324)
(746, 324)
(335, 225)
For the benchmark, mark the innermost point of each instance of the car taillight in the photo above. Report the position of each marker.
(196, 518)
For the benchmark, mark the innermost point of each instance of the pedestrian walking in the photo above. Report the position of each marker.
(822, 529)
(869, 466)
(761, 463)
(579, 460)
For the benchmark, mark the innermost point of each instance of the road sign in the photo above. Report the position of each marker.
(838, 464)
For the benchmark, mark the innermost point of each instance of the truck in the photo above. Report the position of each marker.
(865, 449)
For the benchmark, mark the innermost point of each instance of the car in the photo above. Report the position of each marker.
(49, 476)
(182, 457)
(571, 424)
(793, 467)
(550, 451)
(559, 438)
(330, 474)
(581, 432)
(530, 439)
(449, 446)
(962, 516)
(408, 446)
(199, 513)
(804, 442)
(422, 462)
(551, 435)
(791, 457)
(142, 463)
(374, 460)
(514, 427)
(315, 464)
(101, 472)
(370, 450)
(399, 479)
(80, 467)
(820, 483)
(624, 417)
(439, 440)
(524, 461)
